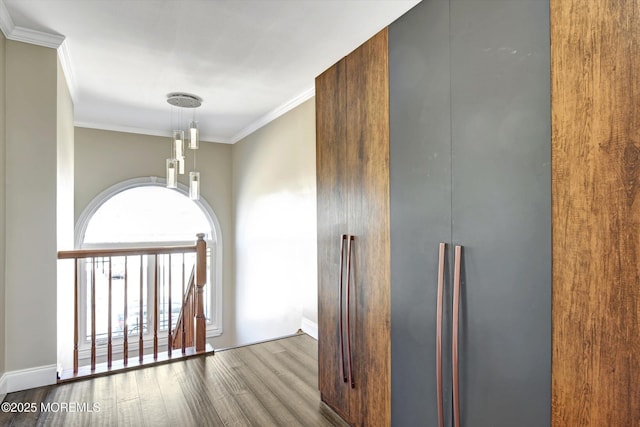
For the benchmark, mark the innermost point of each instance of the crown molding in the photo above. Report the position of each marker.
(21, 34)
(213, 138)
(6, 22)
(65, 62)
(262, 121)
(274, 114)
(140, 131)
(38, 38)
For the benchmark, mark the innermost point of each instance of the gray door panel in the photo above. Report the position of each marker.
(420, 174)
(502, 208)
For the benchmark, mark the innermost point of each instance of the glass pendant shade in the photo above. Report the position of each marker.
(194, 136)
(172, 173)
(178, 143)
(194, 185)
(181, 162)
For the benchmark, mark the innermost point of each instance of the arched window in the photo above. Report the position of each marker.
(142, 212)
(146, 215)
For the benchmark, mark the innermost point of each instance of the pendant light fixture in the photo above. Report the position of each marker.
(172, 173)
(176, 163)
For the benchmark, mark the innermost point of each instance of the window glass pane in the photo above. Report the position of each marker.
(146, 214)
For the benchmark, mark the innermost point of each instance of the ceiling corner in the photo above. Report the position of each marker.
(6, 22)
(67, 69)
(38, 38)
(26, 35)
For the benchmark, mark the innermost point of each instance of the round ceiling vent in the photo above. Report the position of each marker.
(184, 100)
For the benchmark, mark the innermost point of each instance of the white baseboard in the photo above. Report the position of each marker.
(309, 327)
(27, 378)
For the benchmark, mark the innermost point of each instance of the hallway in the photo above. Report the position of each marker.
(268, 384)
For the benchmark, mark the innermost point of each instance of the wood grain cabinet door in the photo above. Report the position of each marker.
(368, 190)
(595, 60)
(352, 149)
(332, 225)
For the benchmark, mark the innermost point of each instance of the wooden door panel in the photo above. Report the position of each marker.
(332, 223)
(368, 194)
(595, 70)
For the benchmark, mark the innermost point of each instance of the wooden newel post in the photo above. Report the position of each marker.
(199, 320)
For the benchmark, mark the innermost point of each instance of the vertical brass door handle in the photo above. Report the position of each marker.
(454, 341)
(340, 306)
(439, 304)
(349, 354)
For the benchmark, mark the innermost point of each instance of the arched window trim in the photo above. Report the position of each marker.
(215, 328)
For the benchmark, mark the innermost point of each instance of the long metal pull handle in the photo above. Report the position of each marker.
(340, 312)
(454, 343)
(441, 254)
(349, 355)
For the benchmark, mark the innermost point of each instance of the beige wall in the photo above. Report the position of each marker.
(30, 204)
(105, 158)
(274, 197)
(2, 197)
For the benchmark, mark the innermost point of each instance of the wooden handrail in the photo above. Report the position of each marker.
(190, 329)
(97, 253)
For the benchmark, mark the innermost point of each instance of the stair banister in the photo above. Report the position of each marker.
(190, 330)
(200, 327)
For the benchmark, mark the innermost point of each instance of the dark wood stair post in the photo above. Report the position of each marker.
(200, 323)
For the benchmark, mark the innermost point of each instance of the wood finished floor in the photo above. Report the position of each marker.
(267, 384)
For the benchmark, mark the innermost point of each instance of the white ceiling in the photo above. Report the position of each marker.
(250, 60)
